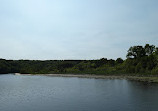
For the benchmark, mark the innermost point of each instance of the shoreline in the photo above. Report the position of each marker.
(147, 79)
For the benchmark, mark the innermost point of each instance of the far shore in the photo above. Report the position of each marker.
(147, 79)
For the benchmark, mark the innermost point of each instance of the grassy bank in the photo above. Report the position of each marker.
(147, 79)
(144, 79)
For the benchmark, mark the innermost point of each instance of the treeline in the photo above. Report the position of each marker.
(140, 60)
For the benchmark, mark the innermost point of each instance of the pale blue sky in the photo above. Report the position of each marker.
(75, 29)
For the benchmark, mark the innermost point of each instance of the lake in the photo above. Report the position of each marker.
(42, 93)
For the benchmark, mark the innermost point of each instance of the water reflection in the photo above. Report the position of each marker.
(40, 93)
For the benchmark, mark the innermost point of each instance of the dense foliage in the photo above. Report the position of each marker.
(140, 60)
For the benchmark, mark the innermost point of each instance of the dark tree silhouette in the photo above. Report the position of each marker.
(136, 52)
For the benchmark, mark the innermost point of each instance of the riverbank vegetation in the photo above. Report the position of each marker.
(141, 60)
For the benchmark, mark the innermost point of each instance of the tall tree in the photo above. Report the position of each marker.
(149, 49)
(136, 52)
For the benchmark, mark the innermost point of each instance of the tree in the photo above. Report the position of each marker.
(111, 62)
(140, 51)
(149, 49)
(119, 60)
(156, 51)
(136, 52)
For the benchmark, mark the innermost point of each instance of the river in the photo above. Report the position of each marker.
(42, 93)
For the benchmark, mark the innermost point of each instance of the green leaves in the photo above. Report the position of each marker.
(140, 51)
(140, 59)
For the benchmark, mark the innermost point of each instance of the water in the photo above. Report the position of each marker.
(41, 93)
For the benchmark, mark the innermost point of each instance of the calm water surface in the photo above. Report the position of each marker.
(41, 93)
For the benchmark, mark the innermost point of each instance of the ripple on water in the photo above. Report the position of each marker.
(40, 93)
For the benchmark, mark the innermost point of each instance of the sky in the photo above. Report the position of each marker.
(75, 29)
